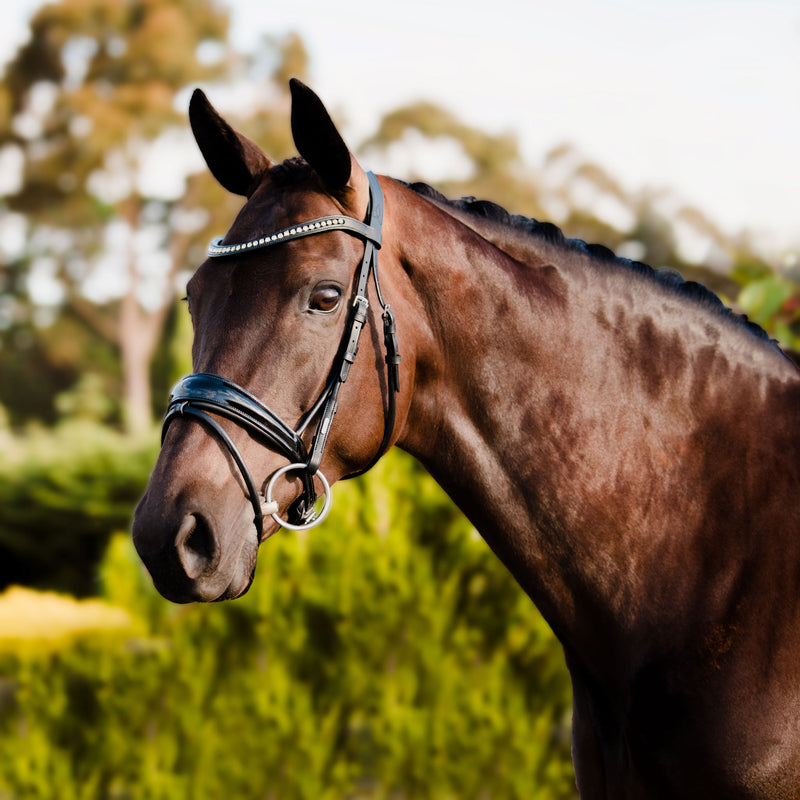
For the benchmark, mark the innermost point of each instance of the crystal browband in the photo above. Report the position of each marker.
(320, 225)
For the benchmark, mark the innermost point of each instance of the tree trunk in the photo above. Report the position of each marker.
(135, 353)
(139, 331)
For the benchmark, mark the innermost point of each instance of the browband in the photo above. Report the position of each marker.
(319, 225)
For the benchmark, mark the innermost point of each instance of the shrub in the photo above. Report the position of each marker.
(385, 654)
(62, 492)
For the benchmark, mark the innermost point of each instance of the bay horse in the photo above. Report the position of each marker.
(627, 446)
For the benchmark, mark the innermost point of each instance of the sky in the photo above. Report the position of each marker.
(701, 97)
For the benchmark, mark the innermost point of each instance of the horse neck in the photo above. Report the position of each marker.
(537, 390)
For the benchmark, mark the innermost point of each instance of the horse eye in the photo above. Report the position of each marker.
(324, 298)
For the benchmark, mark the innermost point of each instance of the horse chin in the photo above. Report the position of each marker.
(199, 559)
(245, 571)
(212, 589)
(234, 590)
(227, 583)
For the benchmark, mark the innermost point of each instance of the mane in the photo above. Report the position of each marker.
(294, 171)
(669, 278)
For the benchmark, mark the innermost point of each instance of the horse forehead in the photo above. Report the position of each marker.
(272, 208)
(286, 265)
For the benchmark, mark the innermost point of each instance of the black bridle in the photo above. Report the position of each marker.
(202, 394)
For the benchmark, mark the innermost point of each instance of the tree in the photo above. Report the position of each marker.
(114, 194)
(495, 170)
(576, 193)
(87, 101)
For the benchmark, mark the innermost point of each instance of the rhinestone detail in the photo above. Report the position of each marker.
(216, 248)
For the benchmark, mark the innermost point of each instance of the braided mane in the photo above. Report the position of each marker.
(552, 234)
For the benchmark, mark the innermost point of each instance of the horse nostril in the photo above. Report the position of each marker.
(195, 545)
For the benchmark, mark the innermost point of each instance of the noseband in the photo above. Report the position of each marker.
(199, 395)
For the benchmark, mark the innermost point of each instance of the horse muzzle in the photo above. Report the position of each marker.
(191, 554)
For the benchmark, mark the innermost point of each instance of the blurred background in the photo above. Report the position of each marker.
(387, 654)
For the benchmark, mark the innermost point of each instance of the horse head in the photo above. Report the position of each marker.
(280, 308)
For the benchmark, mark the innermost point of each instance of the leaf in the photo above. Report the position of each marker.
(762, 298)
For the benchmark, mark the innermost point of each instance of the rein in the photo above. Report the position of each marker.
(201, 394)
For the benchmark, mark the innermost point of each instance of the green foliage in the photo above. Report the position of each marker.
(61, 494)
(774, 303)
(86, 400)
(762, 299)
(386, 654)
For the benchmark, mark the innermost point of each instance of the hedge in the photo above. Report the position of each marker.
(386, 654)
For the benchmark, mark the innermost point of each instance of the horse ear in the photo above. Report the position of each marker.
(317, 139)
(235, 161)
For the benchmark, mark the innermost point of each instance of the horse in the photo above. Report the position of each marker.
(627, 446)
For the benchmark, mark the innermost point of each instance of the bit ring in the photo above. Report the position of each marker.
(326, 506)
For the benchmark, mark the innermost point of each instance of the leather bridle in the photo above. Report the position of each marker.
(199, 395)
